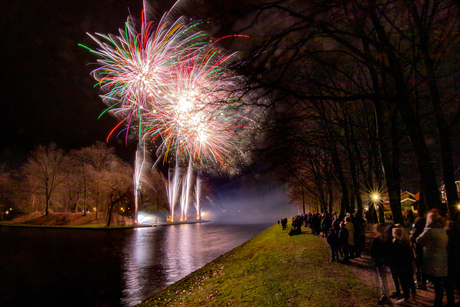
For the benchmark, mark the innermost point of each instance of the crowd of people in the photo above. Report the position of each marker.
(427, 250)
(432, 244)
(344, 233)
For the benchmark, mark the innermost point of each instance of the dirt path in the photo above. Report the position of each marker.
(365, 270)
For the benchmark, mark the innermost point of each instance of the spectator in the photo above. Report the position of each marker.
(333, 241)
(409, 216)
(360, 235)
(419, 226)
(327, 224)
(378, 252)
(453, 253)
(434, 240)
(351, 236)
(403, 258)
(343, 239)
(390, 259)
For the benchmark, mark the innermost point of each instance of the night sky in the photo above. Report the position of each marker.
(47, 94)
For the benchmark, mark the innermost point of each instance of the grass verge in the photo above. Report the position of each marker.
(272, 269)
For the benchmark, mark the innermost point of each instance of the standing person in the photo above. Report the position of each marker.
(327, 223)
(333, 241)
(378, 252)
(434, 240)
(419, 226)
(453, 253)
(351, 236)
(336, 223)
(403, 264)
(360, 234)
(391, 259)
(343, 239)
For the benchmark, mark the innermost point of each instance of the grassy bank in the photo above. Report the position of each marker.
(272, 269)
(69, 220)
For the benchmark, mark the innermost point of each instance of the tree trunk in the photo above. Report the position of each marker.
(344, 203)
(441, 126)
(403, 102)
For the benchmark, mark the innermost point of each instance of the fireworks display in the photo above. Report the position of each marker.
(170, 85)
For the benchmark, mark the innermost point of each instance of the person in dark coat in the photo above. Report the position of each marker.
(343, 239)
(390, 259)
(419, 226)
(453, 253)
(333, 241)
(403, 263)
(378, 252)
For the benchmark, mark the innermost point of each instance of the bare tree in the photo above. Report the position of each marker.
(116, 185)
(99, 157)
(44, 172)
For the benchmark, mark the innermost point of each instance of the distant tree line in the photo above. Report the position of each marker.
(364, 96)
(359, 96)
(90, 179)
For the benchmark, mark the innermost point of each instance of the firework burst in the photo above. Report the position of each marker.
(170, 85)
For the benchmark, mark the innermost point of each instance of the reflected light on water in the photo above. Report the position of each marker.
(178, 253)
(140, 265)
(156, 257)
(121, 267)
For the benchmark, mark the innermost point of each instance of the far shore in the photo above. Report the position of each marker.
(79, 221)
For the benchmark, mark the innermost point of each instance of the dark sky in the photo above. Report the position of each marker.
(47, 94)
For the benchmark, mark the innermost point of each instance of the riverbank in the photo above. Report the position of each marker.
(275, 269)
(272, 269)
(70, 220)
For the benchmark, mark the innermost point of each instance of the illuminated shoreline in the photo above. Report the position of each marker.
(183, 222)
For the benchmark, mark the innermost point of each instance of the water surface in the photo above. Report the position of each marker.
(82, 267)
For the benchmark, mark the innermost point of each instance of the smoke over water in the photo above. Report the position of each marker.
(248, 202)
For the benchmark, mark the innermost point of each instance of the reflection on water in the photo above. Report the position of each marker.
(65, 267)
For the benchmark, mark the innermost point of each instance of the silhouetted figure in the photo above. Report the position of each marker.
(351, 236)
(409, 216)
(333, 241)
(390, 259)
(326, 224)
(360, 235)
(343, 239)
(419, 226)
(403, 258)
(378, 252)
(453, 253)
(284, 223)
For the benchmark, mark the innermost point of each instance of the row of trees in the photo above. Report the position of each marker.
(361, 96)
(88, 179)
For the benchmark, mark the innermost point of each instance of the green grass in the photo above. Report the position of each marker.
(272, 269)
